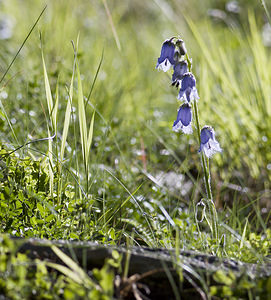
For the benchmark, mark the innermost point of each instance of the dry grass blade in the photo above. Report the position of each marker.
(112, 24)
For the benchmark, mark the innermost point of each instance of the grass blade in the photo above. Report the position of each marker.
(55, 108)
(66, 271)
(82, 116)
(3, 112)
(112, 25)
(49, 97)
(28, 35)
(50, 167)
(244, 235)
(82, 276)
(95, 77)
(67, 119)
(90, 135)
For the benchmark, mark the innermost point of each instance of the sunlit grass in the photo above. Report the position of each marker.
(106, 178)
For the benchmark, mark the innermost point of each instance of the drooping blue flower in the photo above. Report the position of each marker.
(166, 59)
(188, 91)
(208, 144)
(184, 119)
(180, 69)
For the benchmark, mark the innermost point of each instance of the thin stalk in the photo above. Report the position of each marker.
(22, 45)
(204, 164)
(206, 171)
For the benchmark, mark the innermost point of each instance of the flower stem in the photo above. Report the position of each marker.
(204, 165)
(206, 171)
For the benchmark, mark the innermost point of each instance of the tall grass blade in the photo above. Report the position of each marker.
(28, 35)
(82, 116)
(55, 108)
(50, 157)
(90, 135)
(65, 271)
(49, 97)
(3, 112)
(53, 117)
(115, 34)
(95, 77)
(74, 271)
(69, 262)
(86, 137)
(67, 119)
(244, 235)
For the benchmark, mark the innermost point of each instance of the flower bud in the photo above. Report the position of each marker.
(181, 46)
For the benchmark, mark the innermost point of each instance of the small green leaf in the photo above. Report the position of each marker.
(221, 277)
(41, 209)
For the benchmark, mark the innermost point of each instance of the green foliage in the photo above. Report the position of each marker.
(238, 95)
(28, 209)
(229, 287)
(261, 243)
(256, 245)
(27, 206)
(24, 186)
(108, 185)
(23, 278)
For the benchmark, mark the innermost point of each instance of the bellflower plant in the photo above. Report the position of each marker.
(181, 49)
(188, 91)
(166, 59)
(174, 53)
(184, 118)
(208, 144)
(180, 68)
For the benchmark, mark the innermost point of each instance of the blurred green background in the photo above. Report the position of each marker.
(229, 42)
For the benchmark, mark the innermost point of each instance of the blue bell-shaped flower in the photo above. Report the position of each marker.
(166, 59)
(184, 119)
(180, 69)
(208, 144)
(188, 91)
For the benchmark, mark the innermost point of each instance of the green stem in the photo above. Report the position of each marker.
(204, 165)
(206, 172)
